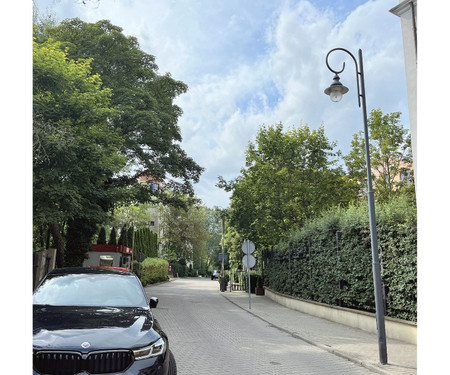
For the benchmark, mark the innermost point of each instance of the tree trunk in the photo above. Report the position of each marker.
(59, 242)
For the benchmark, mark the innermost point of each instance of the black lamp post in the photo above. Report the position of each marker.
(336, 91)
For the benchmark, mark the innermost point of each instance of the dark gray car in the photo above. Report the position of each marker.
(97, 321)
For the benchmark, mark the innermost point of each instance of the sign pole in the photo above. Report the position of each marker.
(248, 274)
(248, 261)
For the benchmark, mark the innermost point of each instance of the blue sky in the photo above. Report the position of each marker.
(250, 63)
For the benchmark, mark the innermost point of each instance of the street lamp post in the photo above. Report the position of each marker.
(336, 91)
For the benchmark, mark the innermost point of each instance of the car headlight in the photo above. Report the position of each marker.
(157, 348)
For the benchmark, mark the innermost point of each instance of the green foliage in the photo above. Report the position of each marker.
(99, 105)
(146, 242)
(153, 270)
(184, 232)
(329, 260)
(112, 237)
(147, 118)
(390, 156)
(215, 223)
(75, 151)
(130, 233)
(290, 176)
(233, 243)
(180, 269)
(123, 237)
(78, 240)
(137, 214)
(101, 239)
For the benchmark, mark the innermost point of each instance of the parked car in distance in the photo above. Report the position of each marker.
(215, 275)
(97, 321)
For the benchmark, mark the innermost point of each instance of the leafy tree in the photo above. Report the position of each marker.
(79, 235)
(112, 237)
(146, 117)
(184, 232)
(213, 242)
(136, 215)
(130, 235)
(390, 156)
(75, 151)
(233, 242)
(101, 240)
(86, 130)
(289, 176)
(146, 242)
(123, 237)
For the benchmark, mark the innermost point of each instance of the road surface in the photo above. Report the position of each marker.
(210, 335)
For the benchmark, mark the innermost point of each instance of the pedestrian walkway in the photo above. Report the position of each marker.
(353, 344)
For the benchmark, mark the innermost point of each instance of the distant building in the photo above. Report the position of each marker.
(153, 213)
(150, 180)
(404, 174)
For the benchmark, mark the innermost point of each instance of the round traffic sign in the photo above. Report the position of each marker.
(248, 247)
(248, 261)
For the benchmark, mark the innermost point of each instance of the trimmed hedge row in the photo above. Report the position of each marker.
(330, 260)
(153, 270)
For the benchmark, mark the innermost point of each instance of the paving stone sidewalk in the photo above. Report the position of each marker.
(353, 344)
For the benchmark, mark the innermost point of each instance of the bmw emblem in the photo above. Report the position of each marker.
(85, 345)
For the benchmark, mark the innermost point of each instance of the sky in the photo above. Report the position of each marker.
(251, 63)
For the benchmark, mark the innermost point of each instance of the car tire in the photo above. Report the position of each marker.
(172, 364)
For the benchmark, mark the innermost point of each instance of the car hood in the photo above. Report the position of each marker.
(85, 329)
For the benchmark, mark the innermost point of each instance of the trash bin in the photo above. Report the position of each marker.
(223, 284)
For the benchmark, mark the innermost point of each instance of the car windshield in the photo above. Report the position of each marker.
(90, 290)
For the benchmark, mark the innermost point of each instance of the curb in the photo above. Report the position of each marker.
(327, 348)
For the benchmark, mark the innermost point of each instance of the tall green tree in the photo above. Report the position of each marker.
(123, 237)
(75, 150)
(101, 240)
(146, 117)
(233, 242)
(289, 176)
(213, 242)
(146, 242)
(112, 237)
(103, 116)
(390, 156)
(184, 232)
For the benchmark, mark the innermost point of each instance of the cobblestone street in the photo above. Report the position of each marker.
(209, 334)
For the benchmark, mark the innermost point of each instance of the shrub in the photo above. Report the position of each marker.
(153, 270)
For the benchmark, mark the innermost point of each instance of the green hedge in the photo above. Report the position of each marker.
(181, 269)
(330, 261)
(146, 242)
(153, 270)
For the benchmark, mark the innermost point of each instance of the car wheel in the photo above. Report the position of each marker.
(172, 364)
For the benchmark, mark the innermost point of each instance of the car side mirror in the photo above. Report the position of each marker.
(153, 302)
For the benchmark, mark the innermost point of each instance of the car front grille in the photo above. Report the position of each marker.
(70, 363)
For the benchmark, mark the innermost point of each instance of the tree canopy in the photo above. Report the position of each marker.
(390, 156)
(103, 117)
(289, 176)
(184, 232)
(146, 117)
(75, 149)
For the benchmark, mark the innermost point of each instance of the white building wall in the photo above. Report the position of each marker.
(407, 11)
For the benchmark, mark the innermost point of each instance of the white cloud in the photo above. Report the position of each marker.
(251, 63)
